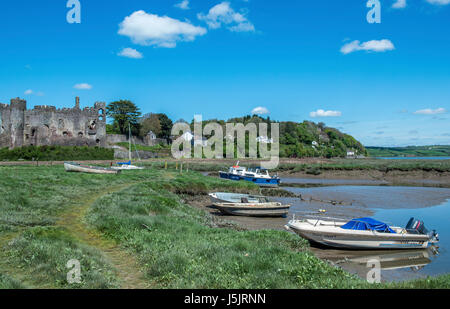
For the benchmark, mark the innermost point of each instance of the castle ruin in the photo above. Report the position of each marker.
(46, 125)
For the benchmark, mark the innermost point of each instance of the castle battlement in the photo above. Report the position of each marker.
(47, 125)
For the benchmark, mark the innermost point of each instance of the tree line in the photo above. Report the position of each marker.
(297, 139)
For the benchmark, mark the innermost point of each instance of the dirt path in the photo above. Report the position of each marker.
(126, 266)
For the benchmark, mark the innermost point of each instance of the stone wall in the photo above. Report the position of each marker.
(46, 125)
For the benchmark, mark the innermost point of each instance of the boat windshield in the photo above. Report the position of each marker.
(367, 224)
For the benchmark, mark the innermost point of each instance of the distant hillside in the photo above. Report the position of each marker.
(307, 139)
(410, 151)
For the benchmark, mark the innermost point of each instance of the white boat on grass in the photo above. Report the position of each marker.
(364, 233)
(127, 166)
(80, 168)
(223, 197)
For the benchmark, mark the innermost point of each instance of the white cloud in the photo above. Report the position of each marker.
(161, 31)
(31, 92)
(429, 111)
(184, 5)
(130, 53)
(260, 111)
(83, 86)
(399, 4)
(223, 14)
(374, 46)
(439, 2)
(323, 113)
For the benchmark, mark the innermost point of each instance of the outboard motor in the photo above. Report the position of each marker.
(418, 227)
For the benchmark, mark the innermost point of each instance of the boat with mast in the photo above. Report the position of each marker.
(128, 165)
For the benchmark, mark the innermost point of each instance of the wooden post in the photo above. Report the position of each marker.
(166, 165)
(176, 165)
(181, 168)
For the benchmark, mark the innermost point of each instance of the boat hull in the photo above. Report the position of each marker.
(363, 240)
(253, 210)
(74, 167)
(274, 181)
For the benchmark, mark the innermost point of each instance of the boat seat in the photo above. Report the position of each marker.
(244, 200)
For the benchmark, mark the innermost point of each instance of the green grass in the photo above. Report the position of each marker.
(143, 216)
(326, 165)
(416, 151)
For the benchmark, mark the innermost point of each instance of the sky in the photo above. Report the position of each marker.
(386, 83)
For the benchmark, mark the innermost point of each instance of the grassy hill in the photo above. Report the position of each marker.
(410, 151)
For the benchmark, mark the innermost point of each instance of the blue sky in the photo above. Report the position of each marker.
(387, 84)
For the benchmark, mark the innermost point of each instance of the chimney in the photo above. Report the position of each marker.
(77, 102)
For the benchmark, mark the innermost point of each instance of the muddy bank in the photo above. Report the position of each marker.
(375, 177)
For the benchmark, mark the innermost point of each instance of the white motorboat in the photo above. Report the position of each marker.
(223, 197)
(253, 209)
(364, 233)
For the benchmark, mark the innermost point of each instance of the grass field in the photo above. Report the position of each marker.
(313, 166)
(134, 231)
(416, 151)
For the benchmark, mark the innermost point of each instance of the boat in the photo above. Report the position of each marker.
(76, 167)
(364, 233)
(222, 197)
(253, 209)
(256, 175)
(127, 166)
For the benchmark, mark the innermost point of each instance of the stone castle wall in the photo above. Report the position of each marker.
(46, 125)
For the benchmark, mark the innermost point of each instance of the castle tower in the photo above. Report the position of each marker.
(77, 102)
(18, 107)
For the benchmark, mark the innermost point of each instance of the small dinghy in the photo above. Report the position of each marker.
(364, 233)
(253, 209)
(223, 197)
(76, 167)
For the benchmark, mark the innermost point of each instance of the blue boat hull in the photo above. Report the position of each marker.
(256, 180)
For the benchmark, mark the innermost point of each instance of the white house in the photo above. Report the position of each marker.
(264, 140)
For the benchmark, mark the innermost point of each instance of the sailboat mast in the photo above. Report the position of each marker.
(129, 140)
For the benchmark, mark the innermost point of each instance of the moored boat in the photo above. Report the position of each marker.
(253, 209)
(364, 233)
(259, 175)
(223, 197)
(126, 166)
(76, 167)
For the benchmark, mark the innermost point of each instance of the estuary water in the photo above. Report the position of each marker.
(393, 205)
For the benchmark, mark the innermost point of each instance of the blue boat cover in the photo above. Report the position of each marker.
(364, 224)
(124, 163)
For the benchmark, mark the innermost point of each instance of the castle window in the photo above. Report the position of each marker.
(65, 133)
(97, 141)
(80, 134)
(33, 132)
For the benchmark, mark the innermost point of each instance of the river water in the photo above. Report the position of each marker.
(393, 205)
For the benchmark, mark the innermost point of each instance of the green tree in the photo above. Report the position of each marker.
(166, 126)
(124, 113)
(150, 123)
